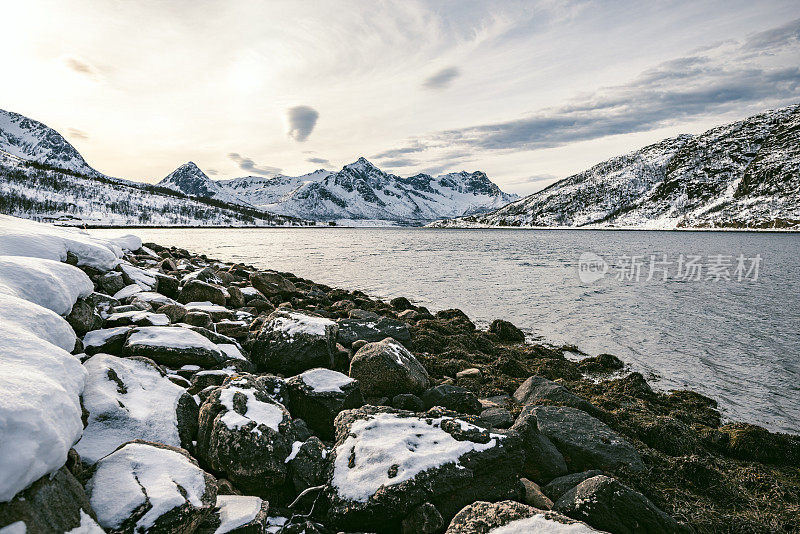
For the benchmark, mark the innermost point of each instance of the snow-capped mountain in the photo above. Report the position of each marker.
(190, 180)
(359, 191)
(33, 141)
(43, 177)
(741, 175)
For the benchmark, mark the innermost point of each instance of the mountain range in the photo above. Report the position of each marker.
(741, 175)
(360, 191)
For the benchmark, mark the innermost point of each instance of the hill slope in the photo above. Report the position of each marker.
(741, 175)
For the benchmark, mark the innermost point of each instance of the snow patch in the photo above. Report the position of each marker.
(325, 380)
(170, 336)
(299, 323)
(48, 283)
(236, 511)
(541, 525)
(263, 413)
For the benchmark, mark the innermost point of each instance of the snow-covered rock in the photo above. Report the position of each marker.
(48, 283)
(238, 514)
(387, 462)
(143, 486)
(743, 174)
(246, 434)
(318, 395)
(291, 342)
(509, 517)
(127, 399)
(387, 368)
(173, 345)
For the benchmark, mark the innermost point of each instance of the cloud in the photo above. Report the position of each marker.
(399, 162)
(442, 79)
(718, 79)
(300, 122)
(77, 134)
(81, 66)
(321, 161)
(250, 166)
(212, 172)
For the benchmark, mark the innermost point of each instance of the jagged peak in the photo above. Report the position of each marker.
(361, 164)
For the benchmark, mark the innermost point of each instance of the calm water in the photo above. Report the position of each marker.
(737, 341)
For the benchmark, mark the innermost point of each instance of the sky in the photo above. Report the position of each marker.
(528, 92)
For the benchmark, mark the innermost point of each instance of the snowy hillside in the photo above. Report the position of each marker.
(31, 140)
(190, 180)
(359, 191)
(744, 174)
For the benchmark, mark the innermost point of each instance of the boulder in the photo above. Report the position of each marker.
(107, 340)
(137, 318)
(424, 519)
(371, 330)
(308, 461)
(83, 318)
(559, 486)
(269, 283)
(197, 291)
(237, 514)
(496, 417)
(215, 311)
(176, 312)
(173, 346)
(151, 487)
(291, 342)
(606, 504)
(585, 442)
(543, 461)
(198, 318)
(167, 285)
(386, 463)
(126, 399)
(112, 282)
(318, 395)
(408, 401)
(387, 368)
(235, 297)
(484, 517)
(401, 304)
(537, 389)
(54, 503)
(454, 398)
(506, 331)
(534, 495)
(235, 329)
(246, 434)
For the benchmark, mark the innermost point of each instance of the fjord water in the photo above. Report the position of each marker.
(736, 341)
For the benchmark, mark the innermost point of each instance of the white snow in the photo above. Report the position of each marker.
(49, 283)
(236, 511)
(128, 291)
(155, 319)
(325, 380)
(41, 322)
(275, 524)
(300, 323)
(207, 307)
(231, 351)
(125, 478)
(87, 526)
(170, 336)
(541, 525)
(154, 298)
(251, 292)
(295, 449)
(21, 237)
(263, 413)
(386, 439)
(18, 527)
(145, 279)
(143, 408)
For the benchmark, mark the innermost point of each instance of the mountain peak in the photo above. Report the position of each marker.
(361, 164)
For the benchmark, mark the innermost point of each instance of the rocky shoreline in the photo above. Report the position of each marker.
(220, 398)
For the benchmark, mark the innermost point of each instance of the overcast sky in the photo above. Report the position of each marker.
(528, 92)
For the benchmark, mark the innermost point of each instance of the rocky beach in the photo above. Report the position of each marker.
(154, 389)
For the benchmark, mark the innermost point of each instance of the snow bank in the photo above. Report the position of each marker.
(325, 380)
(541, 525)
(374, 445)
(21, 237)
(126, 400)
(48, 283)
(236, 511)
(139, 473)
(43, 323)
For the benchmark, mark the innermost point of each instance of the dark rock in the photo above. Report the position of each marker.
(506, 331)
(602, 363)
(543, 461)
(235, 329)
(197, 291)
(271, 283)
(83, 318)
(130, 481)
(407, 401)
(235, 297)
(606, 504)
(482, 517)
(187, 414)
(454, 398)
(107, 340)
(363, 314)
(54, 503)
(488, 466)
(175, 312)
(424, 519)
(246, 434)
(372, 330)
(112, 282)
(318, 395)
(559, 486)
(537, 389)
(308, 464)
(212, 378)
(291, 342)
(456, 318)
(167, 285)
(261, 305)
(357, 345)
(388, 368)
(496, 417)
(585, 442)
(534, 495)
